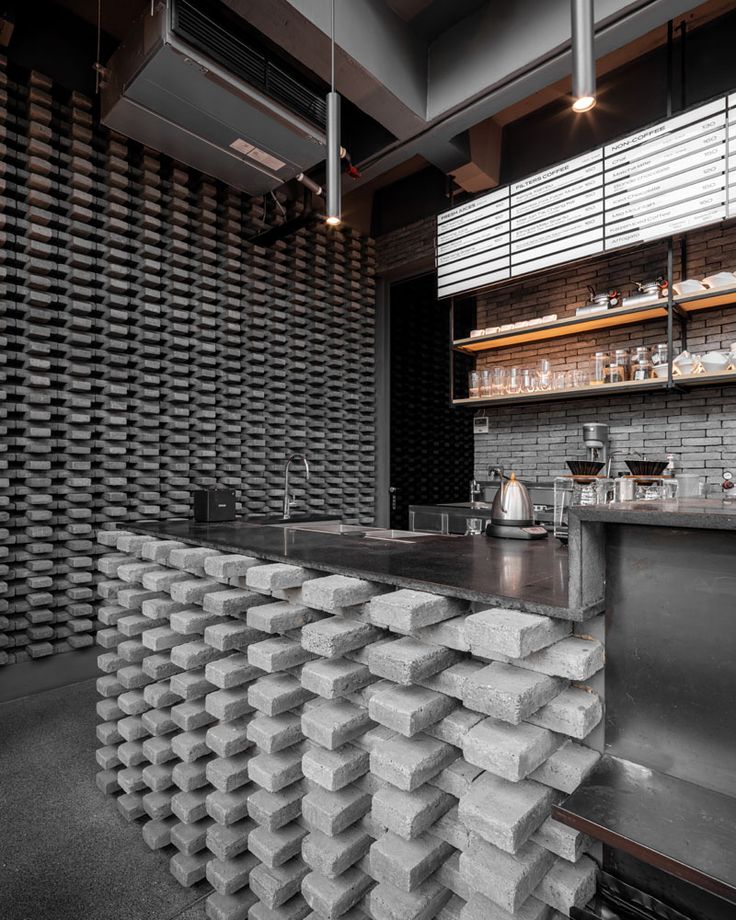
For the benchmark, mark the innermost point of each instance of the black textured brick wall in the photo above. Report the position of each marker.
(148, 349)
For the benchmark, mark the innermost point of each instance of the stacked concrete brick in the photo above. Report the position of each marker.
(148, 349)
(325, 746)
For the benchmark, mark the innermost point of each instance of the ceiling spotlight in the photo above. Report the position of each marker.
(334, 168)
(583, 57)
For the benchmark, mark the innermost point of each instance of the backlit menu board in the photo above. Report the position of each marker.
(672, 177)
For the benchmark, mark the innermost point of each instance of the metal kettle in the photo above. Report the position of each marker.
(512, 504)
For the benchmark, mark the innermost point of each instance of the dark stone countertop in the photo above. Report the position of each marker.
(702, 513)
(526, 574)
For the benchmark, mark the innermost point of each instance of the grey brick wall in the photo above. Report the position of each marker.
(698, 427)
(147, 349)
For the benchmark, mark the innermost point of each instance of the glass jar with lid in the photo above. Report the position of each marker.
(474, 384)
(660, 354)
(600, 368)
(641, 363)
(622, 357)
(618, 368)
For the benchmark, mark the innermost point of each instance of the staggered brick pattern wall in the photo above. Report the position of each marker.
(148, 349)
(698, 427)
(314, 742)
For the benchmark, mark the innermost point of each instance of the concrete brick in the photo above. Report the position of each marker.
(158, 749)
(133, 572)
(190, 838)
(277, 654)
(132, 728)
(229, 636)
(407, 863)
(276, 576)
(567, 767)
(274, 809)
(228, 773)
(561, 840)
(331, 856)
(275, 886)
(276, 771)
(451, 681)
(193, 655)
(512, 632)
(129, 805)
(296, 908)
(449, 633)
(335, 769)
(193, 591)
(274, 733)
(191, 715)
(277, 693)
(159, 667)
(408, 660)
(229, 565)
(191, 621)
(336, 591)
(386, 902)
(573, 658)
(409, 762)
(189, 776)
(454, 726)
(406, 610)
(508, 693)
(568, 885)
(452, 830)
(189, 807)
(505, 879)
(479, 907)
(157, 832)
(132, 598)
(188, 870)
(509, 751)
(274, 848)
(228, 807)
(281, 617)
(232, 602)
(156, 578)
(190, 685)
(190, 558)
(162, 638)
(228, 738)
(334, 636)
(230, 875)
(159, 550)
(452, 910)
(226, 841)
(334, 723)
(505, 814)
(331, 898)
(333, 812)
(227, 705)
(409, 709)
(230, 906)
(575, 712)
(335, 677)
(157, 805)
(158, 777)
(448, 874)
(233, 671)
(190, 746)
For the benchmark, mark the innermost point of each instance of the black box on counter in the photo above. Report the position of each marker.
(214, 505)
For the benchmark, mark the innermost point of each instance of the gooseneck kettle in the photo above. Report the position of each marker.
(512, 514)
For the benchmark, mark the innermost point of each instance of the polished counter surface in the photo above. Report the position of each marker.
(527, 574)
(705, 513)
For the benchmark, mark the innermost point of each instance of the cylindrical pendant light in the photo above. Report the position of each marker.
(334, 179)
(583, 58)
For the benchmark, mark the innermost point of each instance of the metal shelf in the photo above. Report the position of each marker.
(604, 389)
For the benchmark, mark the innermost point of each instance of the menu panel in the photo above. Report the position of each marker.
(668, 178)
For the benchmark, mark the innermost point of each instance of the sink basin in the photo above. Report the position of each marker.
(402, 536)
(331, 527)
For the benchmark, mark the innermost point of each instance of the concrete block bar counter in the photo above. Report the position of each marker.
(367, 460)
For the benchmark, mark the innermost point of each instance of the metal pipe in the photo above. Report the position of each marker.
(583, 55)
(310, 184)
(334, 177)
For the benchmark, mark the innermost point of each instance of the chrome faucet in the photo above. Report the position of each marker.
(475, 490)
(288, 497)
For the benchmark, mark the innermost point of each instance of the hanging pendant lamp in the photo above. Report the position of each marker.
(333, 216)
(583, 58)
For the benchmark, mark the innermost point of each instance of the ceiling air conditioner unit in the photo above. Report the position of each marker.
(192, 84)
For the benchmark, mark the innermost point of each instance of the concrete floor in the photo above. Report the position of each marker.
(65, 851)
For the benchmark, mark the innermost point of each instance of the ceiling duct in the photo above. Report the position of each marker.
(192, 84)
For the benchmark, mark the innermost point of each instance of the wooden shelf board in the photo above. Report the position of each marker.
(706, 380)
(707, 300)
(606, 389)
(568, 325)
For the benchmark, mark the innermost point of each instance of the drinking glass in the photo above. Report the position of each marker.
(560, 380)
(473, 384)
(528, 380)
(544, 374)
(499, 381)
(474, 527)
(485, 383)
(580, 377)
(513, 386)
